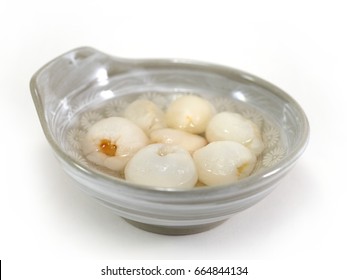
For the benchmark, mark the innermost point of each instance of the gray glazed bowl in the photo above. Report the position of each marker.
(84, 79)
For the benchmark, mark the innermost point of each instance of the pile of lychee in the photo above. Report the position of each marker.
(187, 145)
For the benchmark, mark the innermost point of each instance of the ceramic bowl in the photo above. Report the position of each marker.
(84, 85)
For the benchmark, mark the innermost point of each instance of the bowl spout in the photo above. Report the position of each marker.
(74, 71)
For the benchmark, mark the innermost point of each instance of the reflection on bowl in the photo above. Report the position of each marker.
(84, 85)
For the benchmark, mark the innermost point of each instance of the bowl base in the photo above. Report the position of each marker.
(180, 230)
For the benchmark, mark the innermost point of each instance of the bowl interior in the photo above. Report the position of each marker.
(90, 87)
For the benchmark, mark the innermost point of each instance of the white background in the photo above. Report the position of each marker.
(298, 45)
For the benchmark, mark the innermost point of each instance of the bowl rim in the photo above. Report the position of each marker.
(246, 186)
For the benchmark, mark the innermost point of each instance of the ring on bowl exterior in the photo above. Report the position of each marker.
(85, 77)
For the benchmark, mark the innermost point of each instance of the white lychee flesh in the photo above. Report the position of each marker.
(223, 162)
(234, 127)
(163, 166)
(186, 140)
(189, 113)
(111, 142)
(146, 114)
